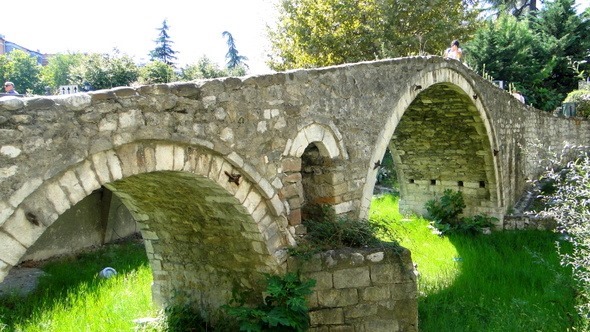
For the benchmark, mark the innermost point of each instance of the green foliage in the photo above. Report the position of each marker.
(447, 209)
(180, 318)
(71, 296)
(582, 100)
(387, 175)
(569, 204)
(156, 72)
(510, 51)
(23, 70)
(475, 224)
(543, 53)
(163, 51)
(506, 281)
(314, 33)
(326, 231)
(445, 215)
(569, 36)
(284, 307)
(104, 71)
(205, 68)
(58, 70)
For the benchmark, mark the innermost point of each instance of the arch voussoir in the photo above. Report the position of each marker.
(75, 192)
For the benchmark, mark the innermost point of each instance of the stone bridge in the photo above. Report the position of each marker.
(217, 171)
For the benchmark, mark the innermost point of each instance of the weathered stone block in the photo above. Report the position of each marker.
(376, 293)
(338, 297)
(355, 277)
(326, 317)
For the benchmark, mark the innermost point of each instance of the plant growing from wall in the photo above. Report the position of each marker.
(284, 307)
(326, 231)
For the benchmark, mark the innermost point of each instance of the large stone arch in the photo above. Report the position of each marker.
(208, 226)
(462, 89)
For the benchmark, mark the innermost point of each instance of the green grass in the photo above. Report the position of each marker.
(506, 281)
(71, 297)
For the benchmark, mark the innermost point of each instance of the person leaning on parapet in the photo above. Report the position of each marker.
(454, 52)
(9, 88)
(518, 96)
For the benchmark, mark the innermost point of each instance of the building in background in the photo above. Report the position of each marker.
(8, 46)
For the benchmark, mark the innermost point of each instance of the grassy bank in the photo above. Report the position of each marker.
(506, 281)
(71, 296)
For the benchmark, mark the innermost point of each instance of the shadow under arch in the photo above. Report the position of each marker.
(440, 136)
(203, 232)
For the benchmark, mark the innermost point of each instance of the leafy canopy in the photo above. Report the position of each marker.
(314, 33)
(23, 70)
(543, 54)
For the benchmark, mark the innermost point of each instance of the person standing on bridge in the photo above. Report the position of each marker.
(518, 96)
(454, 52)
(9, 88)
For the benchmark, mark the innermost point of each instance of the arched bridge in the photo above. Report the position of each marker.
(216, 171)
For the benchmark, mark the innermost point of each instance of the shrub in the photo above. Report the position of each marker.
(570, 207)
(284, 307)
(447, 209)
(582, 100)
(445, 212)
(327, 231)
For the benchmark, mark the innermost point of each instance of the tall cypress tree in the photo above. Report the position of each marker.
(163, 51)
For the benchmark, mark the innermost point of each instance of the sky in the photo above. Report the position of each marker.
(131, 26)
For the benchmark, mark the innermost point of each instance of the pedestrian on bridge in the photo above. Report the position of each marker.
(9, 88)
(454, 52)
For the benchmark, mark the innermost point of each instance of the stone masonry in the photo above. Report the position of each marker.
(361, 290)
(216, 171)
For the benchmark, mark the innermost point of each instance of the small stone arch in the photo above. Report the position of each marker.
(259, 231)
(457, 82)
(312, 172)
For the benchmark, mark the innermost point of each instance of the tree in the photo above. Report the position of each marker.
(163, 51)
(234, 60)
(58, 70)
(516, 8)
(205, 68)
(156, 72)
(103, 71)
(312, 33)
(542, 53)
(22, 69)
(570, 36)
(510, 51)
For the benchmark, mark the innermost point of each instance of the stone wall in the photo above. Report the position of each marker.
(361, 290)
